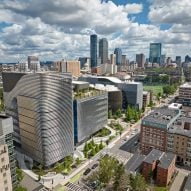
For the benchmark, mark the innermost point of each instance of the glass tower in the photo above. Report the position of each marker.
(93, 50)
(155, 53)
(103, 50)
(118, 53)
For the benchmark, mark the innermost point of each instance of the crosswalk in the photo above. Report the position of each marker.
(74, 187)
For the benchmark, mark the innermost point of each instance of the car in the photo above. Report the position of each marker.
(136, 143)
(95, 166)
(87, 171)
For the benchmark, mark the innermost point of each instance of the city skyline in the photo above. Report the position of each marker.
(61, 29)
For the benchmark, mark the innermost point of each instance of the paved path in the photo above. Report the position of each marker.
(177, 184)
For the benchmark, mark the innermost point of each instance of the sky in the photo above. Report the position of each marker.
(60, 29)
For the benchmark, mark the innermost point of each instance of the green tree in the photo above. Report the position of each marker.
(20, 188)
(109, 114)
(118, 113)
(107, 169)
(93, 152)
(86, 147)
(101, 146)
(121, 179)
(78, 161)
(138, 183)
(97, 148)
(20, 175)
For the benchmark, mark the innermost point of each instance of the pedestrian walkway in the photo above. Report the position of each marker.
(178, 181)
(73, 187)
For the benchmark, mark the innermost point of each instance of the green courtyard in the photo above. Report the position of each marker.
(155, 89)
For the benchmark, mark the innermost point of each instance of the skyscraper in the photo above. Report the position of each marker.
(178, 60)
(41, 107)
(140, 59)
(93, 50)
(155, 53)
(118, 53)
(103, 50)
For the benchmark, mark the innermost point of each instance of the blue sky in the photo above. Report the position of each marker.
(59, 29)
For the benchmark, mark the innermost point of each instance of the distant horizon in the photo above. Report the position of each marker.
(53, 30)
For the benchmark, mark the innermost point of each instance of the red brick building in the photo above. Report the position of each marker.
(159, 166)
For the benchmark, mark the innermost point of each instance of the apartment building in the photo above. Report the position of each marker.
(71, 66)
(5, 172)
(185, 94)
(159, 166)
(179, 139)
(8, 179)
(154, 129)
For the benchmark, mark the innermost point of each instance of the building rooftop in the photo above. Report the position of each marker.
(187, 186)
(135, 162)
(186, 85)
(161, 117)
(79, 82)
(164, 158)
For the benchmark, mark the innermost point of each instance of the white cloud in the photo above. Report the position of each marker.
(61, 28)
(170, 12)
(133, 8)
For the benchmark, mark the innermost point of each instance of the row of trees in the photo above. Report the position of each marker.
(170, 89)
(159, 79)
(91, 148)
(115, 115)
(132, 114)
(111, 175)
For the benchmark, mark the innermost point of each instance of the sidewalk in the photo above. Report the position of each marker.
(177, 184)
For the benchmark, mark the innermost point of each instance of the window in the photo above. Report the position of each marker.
(5, 181)
(4, 174)
(2, 159)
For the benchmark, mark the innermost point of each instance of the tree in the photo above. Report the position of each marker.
(20, 188)
(97, 148)
(20, 175)
(138, 183)
(78, 161)
(107, 169)
(121, 179)
(110, 114)
(93, 152)
(86, 147)
(101, 146)
(118, 113)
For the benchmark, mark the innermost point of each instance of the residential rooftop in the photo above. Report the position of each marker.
(161, 117)
(186, 85)
(164, 158)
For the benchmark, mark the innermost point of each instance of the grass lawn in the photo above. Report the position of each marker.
(156, 89)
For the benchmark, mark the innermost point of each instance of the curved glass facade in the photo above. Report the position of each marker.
(41, 107)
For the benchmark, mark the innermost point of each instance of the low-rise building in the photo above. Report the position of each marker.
(159, 166)
(132, 91)
(146, 98)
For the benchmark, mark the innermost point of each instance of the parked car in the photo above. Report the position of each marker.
(87, 171)
(95, 166)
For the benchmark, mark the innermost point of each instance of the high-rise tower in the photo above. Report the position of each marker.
(93, 50)
(155, 53)
(103, 50)
(118, 53)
